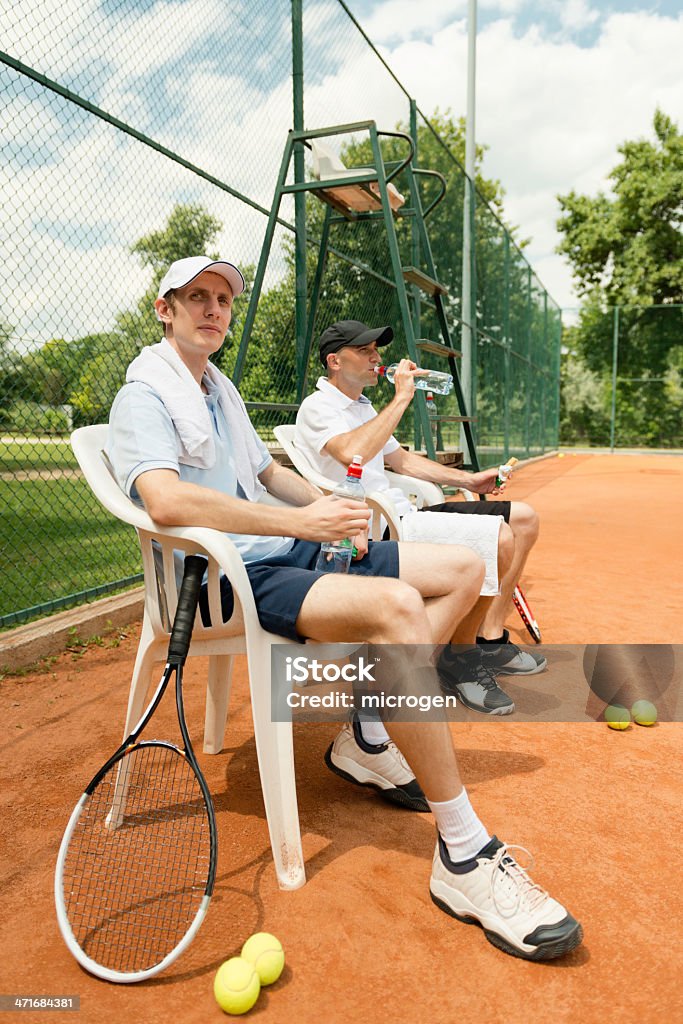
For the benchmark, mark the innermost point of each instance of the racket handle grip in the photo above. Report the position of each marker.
(183, 623)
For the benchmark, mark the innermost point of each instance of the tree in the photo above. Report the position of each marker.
(189, 230)
(629, 246)
(626, 251)
(10, 373)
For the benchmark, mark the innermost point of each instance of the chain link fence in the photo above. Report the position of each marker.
(622, 378)
(135, 134)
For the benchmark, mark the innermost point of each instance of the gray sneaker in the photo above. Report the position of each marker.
(465, 674)
(381, 766)
(509, 659)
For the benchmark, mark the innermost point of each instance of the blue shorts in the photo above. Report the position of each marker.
(281, 584)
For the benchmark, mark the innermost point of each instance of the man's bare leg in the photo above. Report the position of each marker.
(524, 524)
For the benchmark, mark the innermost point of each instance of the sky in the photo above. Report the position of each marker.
(559, 86)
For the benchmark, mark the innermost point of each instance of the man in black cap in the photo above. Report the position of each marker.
(337, 421)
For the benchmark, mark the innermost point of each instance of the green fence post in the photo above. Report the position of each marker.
(615, 355)
(299, 197)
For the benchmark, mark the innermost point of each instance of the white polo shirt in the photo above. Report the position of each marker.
(329, 412)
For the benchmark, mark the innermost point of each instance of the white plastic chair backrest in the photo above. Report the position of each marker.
(381, 503)
(88, 444)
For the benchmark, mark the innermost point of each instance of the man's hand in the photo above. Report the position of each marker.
(404, 380)
(332, 518)
(360, 542)
(485, 482)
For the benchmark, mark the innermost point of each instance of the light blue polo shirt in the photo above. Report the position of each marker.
(142, 437)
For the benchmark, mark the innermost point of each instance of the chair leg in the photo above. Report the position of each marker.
(142, 672)
(139, 685)
(217, 700)
(275, 751)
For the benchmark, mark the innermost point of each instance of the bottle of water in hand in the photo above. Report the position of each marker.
(336, 555)
(428, 380)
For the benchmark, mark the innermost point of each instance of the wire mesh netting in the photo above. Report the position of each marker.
(622, 377)
(137, 133)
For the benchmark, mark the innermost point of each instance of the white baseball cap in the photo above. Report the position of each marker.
(183, 271)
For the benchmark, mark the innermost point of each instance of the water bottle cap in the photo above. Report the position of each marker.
(430, 396)
(355, 470)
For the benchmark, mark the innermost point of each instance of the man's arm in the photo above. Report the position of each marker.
(419, 466)
(171, 501)
(369, 439)
(287, 485)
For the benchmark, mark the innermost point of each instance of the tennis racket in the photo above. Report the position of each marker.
(526, 614)
(137, 863)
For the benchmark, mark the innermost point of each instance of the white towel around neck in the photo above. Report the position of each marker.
(161, 368)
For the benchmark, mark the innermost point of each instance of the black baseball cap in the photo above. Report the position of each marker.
(351, 332)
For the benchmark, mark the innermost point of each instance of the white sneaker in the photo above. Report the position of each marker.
(492, 890)
(381, 766)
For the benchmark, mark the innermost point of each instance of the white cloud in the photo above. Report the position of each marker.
(551, 112)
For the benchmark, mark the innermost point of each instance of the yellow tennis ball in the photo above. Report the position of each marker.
(617, 717)
(644, 712)
(236, 985)
(265, 952)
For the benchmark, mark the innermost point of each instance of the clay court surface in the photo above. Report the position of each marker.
(599, 809)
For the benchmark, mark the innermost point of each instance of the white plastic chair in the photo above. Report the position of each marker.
(242, 634)
(421, 491)
(327, 166)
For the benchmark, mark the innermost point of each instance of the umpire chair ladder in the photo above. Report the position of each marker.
(360, 194)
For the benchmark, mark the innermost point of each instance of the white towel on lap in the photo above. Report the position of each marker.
(162, 369)
(480, 533)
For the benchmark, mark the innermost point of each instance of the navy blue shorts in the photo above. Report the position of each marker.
(281, 584)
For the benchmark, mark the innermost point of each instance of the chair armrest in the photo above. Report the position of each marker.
(427, 493)
(381, 505)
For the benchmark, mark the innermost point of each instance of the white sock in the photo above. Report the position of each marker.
(459, 827)
(372, 730)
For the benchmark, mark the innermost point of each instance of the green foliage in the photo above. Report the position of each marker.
(189, 231)
(10, 373)
(626, 251)
(35, 418)
(584, 404)
(629, 245)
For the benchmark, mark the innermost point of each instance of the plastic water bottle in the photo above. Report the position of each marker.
(336, 555)
(429, 380)
(432, 412)
(504, 471)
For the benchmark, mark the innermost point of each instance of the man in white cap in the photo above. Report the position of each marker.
(181, 443)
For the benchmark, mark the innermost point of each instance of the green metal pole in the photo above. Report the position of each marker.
(506, 348)
(615, 354)
(415, 260)
(299, 197)
(529, 382)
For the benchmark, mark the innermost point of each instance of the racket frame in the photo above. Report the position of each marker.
(526, 614)
(179, 644)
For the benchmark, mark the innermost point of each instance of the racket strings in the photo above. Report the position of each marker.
(139, 859)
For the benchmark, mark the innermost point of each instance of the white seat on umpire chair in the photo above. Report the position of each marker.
(423, 492)
(360, 198)
(242, 634)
